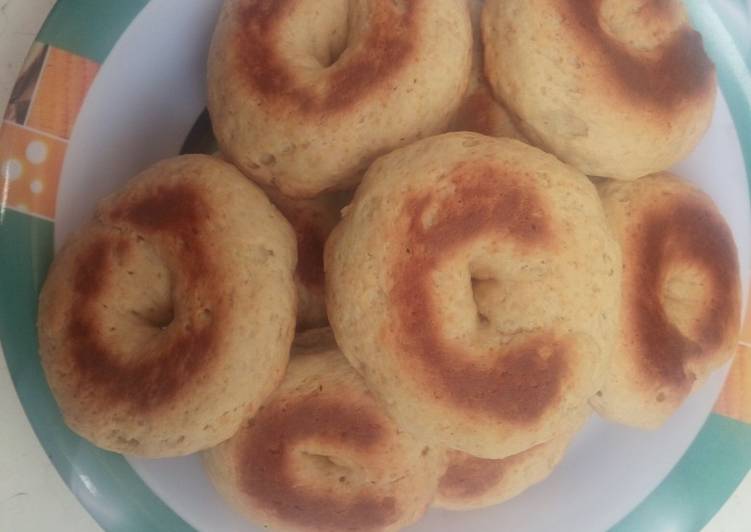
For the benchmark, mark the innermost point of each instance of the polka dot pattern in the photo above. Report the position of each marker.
(30, 165)
(12, 169)
(36, 152)
(33, 136)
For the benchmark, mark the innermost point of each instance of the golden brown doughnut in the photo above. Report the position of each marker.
(474, 284)
(168, 318)
(681, 297)
(304, 98)
(616, 88)
(321, 455)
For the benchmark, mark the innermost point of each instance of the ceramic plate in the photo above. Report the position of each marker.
(111, 86)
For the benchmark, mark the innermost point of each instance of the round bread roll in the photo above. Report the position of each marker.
(168, 318)
(470, 482)
(304, 95)
(616, 88)
(480, 111)
(681, 301)
(321, 455)
(474, 283)
(312, 220)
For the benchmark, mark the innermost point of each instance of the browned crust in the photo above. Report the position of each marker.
(263, 463)
(155, 378)
(684, 231)
(469, 477)
(387, 48)
(682, 72)
(524, 381)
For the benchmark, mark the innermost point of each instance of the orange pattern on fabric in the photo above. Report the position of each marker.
(30, 165)
(63, 85)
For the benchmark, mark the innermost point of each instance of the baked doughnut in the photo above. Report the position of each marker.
(616, 88)
(321, 455)
(168, 318)
(474, 284)
(304, 97)
(312, 219)
(480, 111)
(470, 482)
(681, 297)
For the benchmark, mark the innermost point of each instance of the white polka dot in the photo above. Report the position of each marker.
(36, 152)
(11, 169)
(37, 186)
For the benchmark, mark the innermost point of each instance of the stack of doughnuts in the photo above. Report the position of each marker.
(398, 285)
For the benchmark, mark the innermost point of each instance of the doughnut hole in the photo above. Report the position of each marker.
(315, 38)
(504, 296)
(137, 307)
(683, 296)
(327, 468)
(484, 297)
(481, 287)
(643, 25)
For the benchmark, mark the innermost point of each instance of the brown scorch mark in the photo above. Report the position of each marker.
(266, 451)
(387, 46)
(683, 71)
(687, 233)
(177, 210)
(523, 381)
(154, 378)
(468, 476)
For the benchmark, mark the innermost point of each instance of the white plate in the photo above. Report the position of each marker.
(146, 97)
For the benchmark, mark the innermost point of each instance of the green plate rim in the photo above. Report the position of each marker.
(105, 483)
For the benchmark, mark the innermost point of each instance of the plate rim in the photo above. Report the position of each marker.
(100, 479)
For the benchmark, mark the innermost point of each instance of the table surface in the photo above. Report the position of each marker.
(33, 497)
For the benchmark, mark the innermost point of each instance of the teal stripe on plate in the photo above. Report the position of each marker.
(700, 484)
(89, 28)
(104, 482)
(732, 72)
(736, 16)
